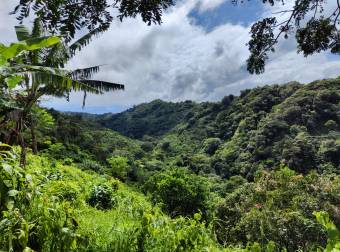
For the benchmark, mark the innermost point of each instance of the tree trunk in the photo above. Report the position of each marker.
(17, 132)
(23, 151)
(33, 136)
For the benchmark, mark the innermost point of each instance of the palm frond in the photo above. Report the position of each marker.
(85, 73)
(85, 40)
(38, 30)
(43, 69)
(57, 56)
(103, 86)
(49, 83)
(22, 32)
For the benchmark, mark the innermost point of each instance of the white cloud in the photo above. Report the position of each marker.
(206, 5)
(7, 22)
(180, 60)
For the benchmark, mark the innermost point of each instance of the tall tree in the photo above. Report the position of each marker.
(13, 71)
(38, 73)
(57, 57)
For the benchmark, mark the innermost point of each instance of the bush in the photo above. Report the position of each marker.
(210, 145)
(331, 124)
(233, 183)
(119, 167)
(91, 165)
(198, 163)
(180, 192)
(101, 197)
(147, 146)
(278, 206)
(64, 190)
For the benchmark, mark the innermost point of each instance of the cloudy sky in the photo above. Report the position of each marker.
(199, 53)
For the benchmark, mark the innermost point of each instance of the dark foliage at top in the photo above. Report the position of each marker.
(315, 31)
(314, 28)
(67, 16)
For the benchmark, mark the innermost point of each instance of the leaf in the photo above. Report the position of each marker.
(12, 193)
(22, 32)
(29, 179)
(5, 145)
(3, 60)
(29, 45)
(103, 86)
(85, 40)
(38, 43)
(27, 249)
(13, 81)
(8, 183)
(7, 168)
(10, 205)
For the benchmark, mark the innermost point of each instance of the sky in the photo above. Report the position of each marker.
(199, 53)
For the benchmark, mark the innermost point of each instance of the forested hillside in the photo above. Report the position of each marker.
(255, 172)
(294, 124)
(154, 119)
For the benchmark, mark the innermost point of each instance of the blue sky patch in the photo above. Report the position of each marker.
(88, 109)
(332, 56)
(242, 13)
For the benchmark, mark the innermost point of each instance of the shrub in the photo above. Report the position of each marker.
(119, 167)
(210, 145)
(101, 197)
(333, 241)
(91, 165)
(68, 161)
(198, 163)
(165, 146)
(13, 181)
(331, 124)
(65, 190)
(278, 207)
(233, 183)
(147, 146)
(180, 192)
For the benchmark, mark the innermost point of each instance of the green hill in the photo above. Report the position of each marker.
(154, 119)
(255, 172)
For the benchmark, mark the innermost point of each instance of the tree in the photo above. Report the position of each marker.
(210, 145)
(65, 17)
(57, 57)
(180, 192)
(119, 167)
(13, 70)
(39, 73)
(314, 29)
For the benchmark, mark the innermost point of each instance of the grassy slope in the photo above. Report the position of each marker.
(133, 224)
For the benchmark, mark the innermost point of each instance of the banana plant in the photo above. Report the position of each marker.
(11, 54)
(34, 67)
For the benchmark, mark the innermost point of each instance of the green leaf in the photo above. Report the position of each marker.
(8, 183)
(12, 193)
(8, 168)
(3, 60)
(10, 205)
(38, 43)
(29, 45)
(13, 81)
(22, 32)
